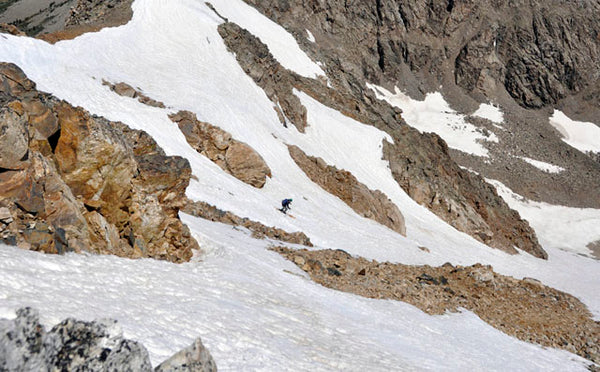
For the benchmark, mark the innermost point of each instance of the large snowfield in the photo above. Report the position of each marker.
(253, 309)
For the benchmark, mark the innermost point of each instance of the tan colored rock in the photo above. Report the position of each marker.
(87, 184)
(95, 162)
(125, 90)
(246, 165)
(370, 204)
(234, 157)
(14, 141)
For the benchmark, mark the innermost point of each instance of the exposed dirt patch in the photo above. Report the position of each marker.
(525, 309)
(259, 231)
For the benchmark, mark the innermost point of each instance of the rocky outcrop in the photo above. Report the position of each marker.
(259, 231)
(126, 90)
(256, 60)
(420, 163)
(424, 169)
(11, 29)
(59, 20)
(231, 155)
(194, 358)
(372, 204)
(74, 345)
(75, 182)
(525, 308)
(69, 346)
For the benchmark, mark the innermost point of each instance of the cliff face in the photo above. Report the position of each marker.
(539, 51)
(70, 181)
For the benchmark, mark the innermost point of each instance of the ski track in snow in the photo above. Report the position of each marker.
(251, 314)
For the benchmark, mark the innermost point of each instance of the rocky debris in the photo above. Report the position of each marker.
(195, 358)
(74, 345)
(420, 163)
(231, 155)
(60, 20)
(126, 90)
(372, 204)
(525, 309)
(11, 29)
(259, 231)
(81, 183)
(518, 56)
(256, 60)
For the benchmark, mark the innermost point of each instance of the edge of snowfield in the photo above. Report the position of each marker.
(238, 299)
(256, 311)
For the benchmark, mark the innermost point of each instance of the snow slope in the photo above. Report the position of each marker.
(583, 136)
(251, 313)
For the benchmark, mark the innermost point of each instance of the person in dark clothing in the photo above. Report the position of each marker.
(285, 205)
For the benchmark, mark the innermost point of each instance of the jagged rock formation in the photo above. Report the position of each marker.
(66, 19)
(71, 345)
(126, 90)
(530, 53)
(259, 231)
(74, 182)
(231, 155)
(74, 345)
(534, 49)
(526, 308)
(420, 162)
(367, 203)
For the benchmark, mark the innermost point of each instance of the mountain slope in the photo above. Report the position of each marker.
(239, 294)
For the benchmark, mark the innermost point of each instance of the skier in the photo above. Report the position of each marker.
(285, 204)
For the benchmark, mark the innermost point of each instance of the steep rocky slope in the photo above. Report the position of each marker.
(73, 182)
(420, 163)
(520, 55)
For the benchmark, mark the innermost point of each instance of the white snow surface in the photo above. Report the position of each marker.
(282, 45)
(310, 36)
(546, 167)
(251, 314)
(490, 112)
(256, 311)
(433, 114)
(584, 136)
(565, 228)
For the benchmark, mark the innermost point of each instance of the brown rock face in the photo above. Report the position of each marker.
(525, 309)
(420, 163)
(367, 203)
(82, 183)
(234, 157)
